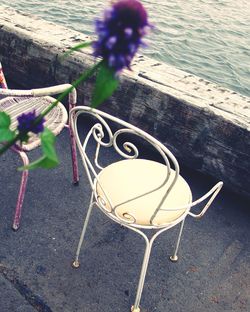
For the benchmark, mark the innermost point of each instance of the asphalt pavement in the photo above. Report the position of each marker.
(212, 274)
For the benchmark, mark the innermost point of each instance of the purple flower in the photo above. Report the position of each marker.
(26, 123)
(120, 33)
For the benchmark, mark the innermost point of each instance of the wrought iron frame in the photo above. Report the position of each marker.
(130, 151)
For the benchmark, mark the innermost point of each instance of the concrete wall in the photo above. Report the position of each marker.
(206, 126)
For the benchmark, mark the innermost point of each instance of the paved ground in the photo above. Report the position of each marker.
(212, 275)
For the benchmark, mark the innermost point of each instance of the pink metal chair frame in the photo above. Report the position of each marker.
(42, 92)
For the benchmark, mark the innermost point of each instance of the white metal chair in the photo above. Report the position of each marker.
(17, 102)
(137, 193)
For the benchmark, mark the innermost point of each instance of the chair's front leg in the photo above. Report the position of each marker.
(136, 306)
(72, 103)
(24, 179)
(149, 244)
(76, 262)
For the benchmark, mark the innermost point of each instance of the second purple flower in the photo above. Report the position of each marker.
(26, 123)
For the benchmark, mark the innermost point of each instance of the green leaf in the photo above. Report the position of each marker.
(4, 120)
(105, 85)
(48, 144)
(5, 133)
(76, 48)
(49, 158)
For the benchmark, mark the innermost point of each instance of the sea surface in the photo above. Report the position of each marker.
(209, 38)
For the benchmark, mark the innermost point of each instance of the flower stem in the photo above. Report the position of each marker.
(75, 84)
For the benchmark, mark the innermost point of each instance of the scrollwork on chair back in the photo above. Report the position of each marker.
(105, 137)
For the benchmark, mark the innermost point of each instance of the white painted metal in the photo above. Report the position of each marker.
(104, 137)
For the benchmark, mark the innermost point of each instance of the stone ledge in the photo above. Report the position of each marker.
(206, 126)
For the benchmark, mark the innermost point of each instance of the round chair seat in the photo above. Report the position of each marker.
(55, 120)
(128, 186)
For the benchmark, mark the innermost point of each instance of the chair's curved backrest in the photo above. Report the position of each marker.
(105, 137)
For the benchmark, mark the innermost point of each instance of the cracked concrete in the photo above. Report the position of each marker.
(13, 287)
(11, 298)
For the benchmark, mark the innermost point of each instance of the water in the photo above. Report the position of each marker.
(209, 38)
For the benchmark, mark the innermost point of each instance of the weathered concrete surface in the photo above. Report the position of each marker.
(206, 126)
(212, 275)
(10, 296)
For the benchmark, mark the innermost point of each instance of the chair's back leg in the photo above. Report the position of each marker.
(24, 179)
(72, 103)
(3, 83)
(74, 158)
(174, 257)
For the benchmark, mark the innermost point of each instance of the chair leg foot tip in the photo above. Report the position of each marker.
(173, 258)
(75, 264)
(135, 309)
(15, 227)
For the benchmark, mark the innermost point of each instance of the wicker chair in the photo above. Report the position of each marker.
(16, 102)
(136, 192)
